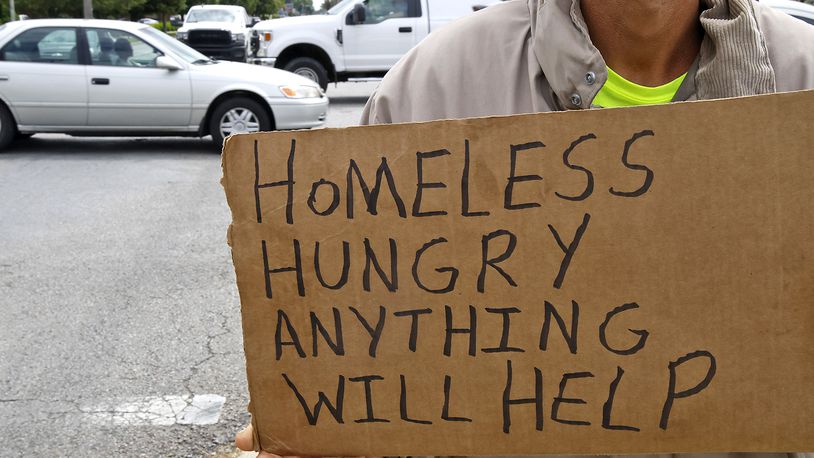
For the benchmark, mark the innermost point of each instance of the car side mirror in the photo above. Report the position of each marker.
(254, 22)
(167, 63)
(359, 14)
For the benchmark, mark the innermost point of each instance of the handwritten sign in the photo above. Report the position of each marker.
(609, 281)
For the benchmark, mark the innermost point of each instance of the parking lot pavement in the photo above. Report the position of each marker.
(121, 329)
(347, 101)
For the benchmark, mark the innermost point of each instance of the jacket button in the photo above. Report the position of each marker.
(590, 78)
(576, 100)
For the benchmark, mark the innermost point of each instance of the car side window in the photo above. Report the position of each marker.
(120, 49)
(805, 19)
(51, 45)
(381, 10)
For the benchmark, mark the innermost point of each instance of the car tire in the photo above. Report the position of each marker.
(238, 115)
(309, 68)
(8, 127)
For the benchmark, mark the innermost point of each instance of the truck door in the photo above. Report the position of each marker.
(389, 30)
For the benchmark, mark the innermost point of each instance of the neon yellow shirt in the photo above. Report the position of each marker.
(619, 92)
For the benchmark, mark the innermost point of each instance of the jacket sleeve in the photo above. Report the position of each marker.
(371, 113)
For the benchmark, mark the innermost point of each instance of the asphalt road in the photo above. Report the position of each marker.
(119, 317)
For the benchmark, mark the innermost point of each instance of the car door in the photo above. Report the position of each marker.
(388, 32)
(42, 79)
(127, 90)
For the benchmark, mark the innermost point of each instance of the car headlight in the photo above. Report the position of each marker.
(265, 36)
(238, 37)
(182, 35)
(301, 92)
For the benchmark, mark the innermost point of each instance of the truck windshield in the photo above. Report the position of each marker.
(339, 6)
(210, 15)
(179, 49)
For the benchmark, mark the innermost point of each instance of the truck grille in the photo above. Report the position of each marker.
(209, 37)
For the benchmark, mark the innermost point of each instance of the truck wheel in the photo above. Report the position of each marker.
(309, 68)
(237, 115)
(8, 128)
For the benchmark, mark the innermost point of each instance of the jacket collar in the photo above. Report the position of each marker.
(733, 60)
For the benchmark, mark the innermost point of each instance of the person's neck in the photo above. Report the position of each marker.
(649, 42)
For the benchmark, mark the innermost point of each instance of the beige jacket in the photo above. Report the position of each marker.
(526, 56)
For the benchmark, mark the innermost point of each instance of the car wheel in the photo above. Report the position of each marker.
(309, 68)
(238, 115)
(8, 128)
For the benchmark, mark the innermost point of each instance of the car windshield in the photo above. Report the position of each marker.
(339, 6)
(210, 15)
(181, 50)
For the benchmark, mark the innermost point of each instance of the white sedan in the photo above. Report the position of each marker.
(98, 77)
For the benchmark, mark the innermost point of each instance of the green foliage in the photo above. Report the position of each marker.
(113, 9)
(49, 8)
(116, 9)
(266, 8)
(136, 9)
(169, 27)
(328, 4)
(165, 7)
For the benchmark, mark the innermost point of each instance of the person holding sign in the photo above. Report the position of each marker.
(528, 56)
(536, 56)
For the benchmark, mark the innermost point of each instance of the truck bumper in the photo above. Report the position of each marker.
(270, 61)
(298, 113)
(235, 53)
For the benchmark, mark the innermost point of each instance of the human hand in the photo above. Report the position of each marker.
(245, 441)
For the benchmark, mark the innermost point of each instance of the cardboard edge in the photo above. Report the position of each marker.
(255, 433)
(226, 153)
(550, 113)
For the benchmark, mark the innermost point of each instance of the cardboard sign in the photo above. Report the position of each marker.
(609, 281)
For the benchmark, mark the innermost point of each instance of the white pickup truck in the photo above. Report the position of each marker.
(217, 31)
(355, 38)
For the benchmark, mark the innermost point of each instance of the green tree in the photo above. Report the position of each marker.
(73, 8)
(328, 4)
(117, 9)
(49, 8)
(161, 9)
(267, 8)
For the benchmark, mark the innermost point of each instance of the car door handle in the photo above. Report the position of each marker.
(100, 81)
(405, 29)
(3, 77)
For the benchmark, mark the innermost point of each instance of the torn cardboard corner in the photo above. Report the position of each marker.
(600, 282)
